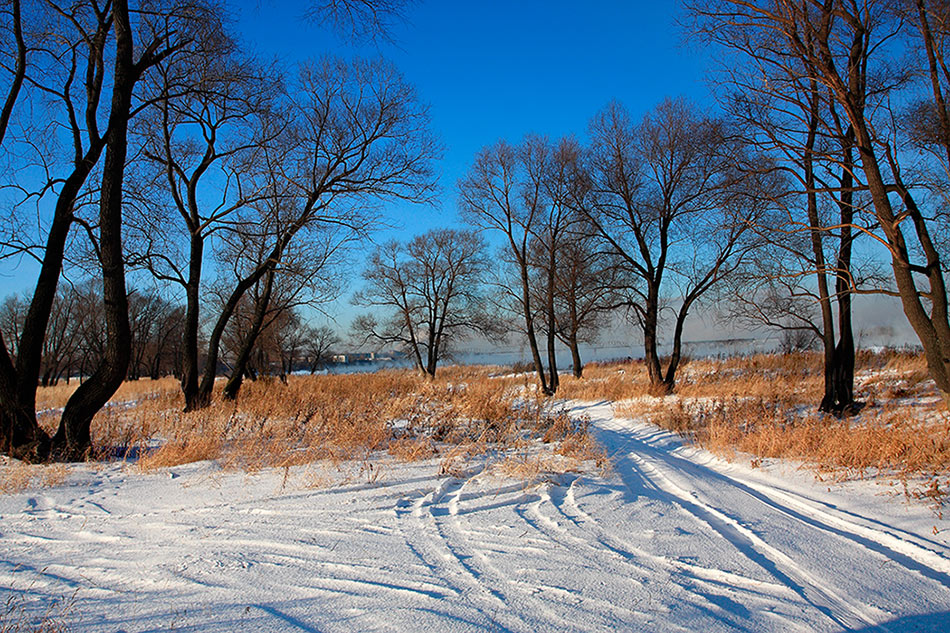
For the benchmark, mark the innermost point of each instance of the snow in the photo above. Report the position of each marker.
(674, 539)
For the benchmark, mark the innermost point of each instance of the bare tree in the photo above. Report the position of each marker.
(498, 194)
(153, 321)
(72, 77)
(430, 290)
(211, 112)
(307, 275)
(360, 19)
(319, 343)
(75, 55)
(588, 286)
(359, 136)
(664, 200)
(849, 48)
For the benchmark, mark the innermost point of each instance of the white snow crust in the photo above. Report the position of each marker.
(674, 539)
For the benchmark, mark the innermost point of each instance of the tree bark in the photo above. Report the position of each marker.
(577, 364)
(72, 440)
(553, 380)
(189, 360)
(233, 385)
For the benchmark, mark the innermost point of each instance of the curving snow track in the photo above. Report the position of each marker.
(674, 540)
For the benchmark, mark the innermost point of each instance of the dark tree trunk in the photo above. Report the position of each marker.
(233, 385)
(72, 440)
(553, 380)
(189, 347)
(676, 355)
(651, 354)
(839, 377)
(18, 405)
(21, 436)
(576, 363)
(529, 328)
(202, 397)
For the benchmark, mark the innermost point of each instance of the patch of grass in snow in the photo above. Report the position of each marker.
(766, 407)
(17, 476)
(21, 614)
(461, 416)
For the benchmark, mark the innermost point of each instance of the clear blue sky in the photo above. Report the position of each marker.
(488, 70)
(493, 69)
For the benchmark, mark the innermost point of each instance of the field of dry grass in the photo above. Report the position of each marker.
(766, 407)
(763, 406)
(463, 416)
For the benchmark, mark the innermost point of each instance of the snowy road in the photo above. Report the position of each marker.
(674, 540)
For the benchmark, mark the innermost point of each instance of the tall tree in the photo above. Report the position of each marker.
(359, 136)
(94, 49)
(500, 194)
(71, 71)
(849, 47)
(664, 199)
(588, 284)
(808, 242)
(212, 111)
(431, 292)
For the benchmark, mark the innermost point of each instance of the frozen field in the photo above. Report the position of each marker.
(673, 540)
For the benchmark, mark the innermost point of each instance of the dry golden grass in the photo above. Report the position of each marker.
(17, 476)
(463, 415)
(606, 382)
(761, 405)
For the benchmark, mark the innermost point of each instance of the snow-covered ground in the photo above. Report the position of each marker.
(673, 540)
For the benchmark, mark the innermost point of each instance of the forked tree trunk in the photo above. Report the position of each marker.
(530, 331)
(839, 374)
(233, 385)
(72, 440)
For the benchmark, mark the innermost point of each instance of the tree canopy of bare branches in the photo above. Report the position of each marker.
(855, 54)
(665, 198)
(431, 292)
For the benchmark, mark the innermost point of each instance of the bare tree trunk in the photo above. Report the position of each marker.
(530, 331)
(816, 233)
(651, 355)
(576, 363)
(72, 440)
(233, 385)
(554, 381)
(18, 405)
(203, 396)
(189, 352)
(839, 395)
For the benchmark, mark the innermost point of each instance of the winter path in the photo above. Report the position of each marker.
(673, 540)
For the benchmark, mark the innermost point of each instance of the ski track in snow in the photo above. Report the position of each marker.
(674, 540)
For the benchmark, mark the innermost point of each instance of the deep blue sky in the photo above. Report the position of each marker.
(488, 69)
(494, 69)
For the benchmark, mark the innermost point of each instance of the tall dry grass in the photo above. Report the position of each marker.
(17, 614)
(464, 414)
(766, 407)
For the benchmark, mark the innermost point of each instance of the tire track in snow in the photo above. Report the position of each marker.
(424, 538)
(550, 599)
(594, 533)
(723, 595)
(437, 533)
(907, 550)
(646, 459)
(815, 592)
